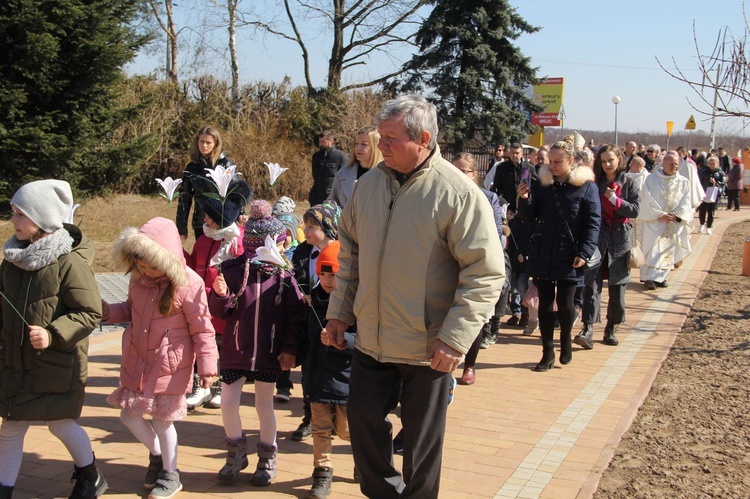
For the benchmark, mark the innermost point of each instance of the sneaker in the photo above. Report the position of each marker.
(283, 395)
(531, 328)
(168, 485)
(709, 231)
(199, 397)
(155, 465)
(513, 321)
(486, 342)
(215, 402)
(701, 229)
(321, 487)
(303, 432)
(398, 442)
(524, 319)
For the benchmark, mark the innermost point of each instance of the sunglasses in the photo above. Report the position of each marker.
(650, 150)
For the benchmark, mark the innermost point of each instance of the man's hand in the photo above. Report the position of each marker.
(668, 217)
(39, 337)
(444, 358)
(578, 262)
(333, 334)
(220, 285)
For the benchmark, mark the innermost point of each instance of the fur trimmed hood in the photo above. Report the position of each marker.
(579, 175)
(158, 243)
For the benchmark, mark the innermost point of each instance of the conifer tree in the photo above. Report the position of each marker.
(468, 66)
(60, 70)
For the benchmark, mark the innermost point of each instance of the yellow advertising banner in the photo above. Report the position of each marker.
(548, 94)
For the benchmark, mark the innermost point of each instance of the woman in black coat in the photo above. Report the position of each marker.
(555, 260)
(206, 152)
(618, 195)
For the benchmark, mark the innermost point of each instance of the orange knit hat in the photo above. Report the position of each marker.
(328, 259)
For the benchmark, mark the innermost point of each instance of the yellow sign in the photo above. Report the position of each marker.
(549, 95)
(670, 126)
(690, 125)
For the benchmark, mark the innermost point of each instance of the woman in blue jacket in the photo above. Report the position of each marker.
(563, 203)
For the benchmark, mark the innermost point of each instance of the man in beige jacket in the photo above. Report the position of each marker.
(421, 268)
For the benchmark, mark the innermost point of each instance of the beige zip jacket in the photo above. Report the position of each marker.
(418, 262)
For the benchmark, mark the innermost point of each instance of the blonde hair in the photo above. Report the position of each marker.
(195, 153)
(375, 155)
(565, 146)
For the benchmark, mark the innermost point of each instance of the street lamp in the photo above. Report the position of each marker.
(616, 100)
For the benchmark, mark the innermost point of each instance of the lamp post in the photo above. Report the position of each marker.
(616, 100)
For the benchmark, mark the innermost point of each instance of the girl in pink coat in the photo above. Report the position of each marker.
(169, 328)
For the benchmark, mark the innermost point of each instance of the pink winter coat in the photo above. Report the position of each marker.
(158, 352)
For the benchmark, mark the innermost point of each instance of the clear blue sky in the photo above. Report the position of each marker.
(601, 48)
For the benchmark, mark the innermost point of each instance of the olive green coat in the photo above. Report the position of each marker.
(61, 296)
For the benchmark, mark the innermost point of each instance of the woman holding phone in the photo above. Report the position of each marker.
(563, 204)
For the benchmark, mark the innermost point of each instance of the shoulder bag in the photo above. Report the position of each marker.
(594, 260)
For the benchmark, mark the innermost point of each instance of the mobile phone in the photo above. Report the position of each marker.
(525, 176)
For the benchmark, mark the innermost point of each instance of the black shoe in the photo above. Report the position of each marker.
(650, 285)
(303, 432)
(662, 284)
(547, 362)
(321, 487)
(398, 442)
(586, 337)
(609, 334)
(90, 482)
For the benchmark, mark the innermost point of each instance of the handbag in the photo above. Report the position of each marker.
(594, 260)
(636, 258)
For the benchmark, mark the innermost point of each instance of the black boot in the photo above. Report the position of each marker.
(548, 353)
(609, 334)
(586, 337)
(90, 482)
(566, 350)
(6, 491)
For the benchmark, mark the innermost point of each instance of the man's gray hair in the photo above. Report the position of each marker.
(419, 114)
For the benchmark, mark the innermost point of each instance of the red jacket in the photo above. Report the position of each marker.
(204, 249)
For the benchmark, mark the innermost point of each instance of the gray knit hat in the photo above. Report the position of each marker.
(47, 203)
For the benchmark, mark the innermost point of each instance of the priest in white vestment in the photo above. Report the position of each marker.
(667, 218)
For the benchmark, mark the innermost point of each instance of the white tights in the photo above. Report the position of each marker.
(230, 410)
(12, 434)
(159, 437)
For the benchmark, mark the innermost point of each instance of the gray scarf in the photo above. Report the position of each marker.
(40, 253)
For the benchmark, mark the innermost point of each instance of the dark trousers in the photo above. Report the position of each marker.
(733, 198)
(592, 302)
(471, 355)
(284, 383)
(706, 209)
(563, 292)
(374, 389)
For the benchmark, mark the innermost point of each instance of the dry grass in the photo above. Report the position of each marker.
(102, 220)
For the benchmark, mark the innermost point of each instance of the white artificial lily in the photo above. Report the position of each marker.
(69, 218)
(169, 185)
(269, 253)
(222, 177)
(275, 171)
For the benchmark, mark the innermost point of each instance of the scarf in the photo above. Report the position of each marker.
(38, 254)
(229, 242)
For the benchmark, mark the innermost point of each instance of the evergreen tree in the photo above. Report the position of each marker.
(60, 72)
(473, 73)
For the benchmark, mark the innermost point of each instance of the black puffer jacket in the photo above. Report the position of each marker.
(325, 164)
(195, 182)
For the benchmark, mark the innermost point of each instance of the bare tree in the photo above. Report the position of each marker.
(168, 27)
(360, 28)
(723, 87)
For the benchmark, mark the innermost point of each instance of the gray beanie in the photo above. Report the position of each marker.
(47, 203)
